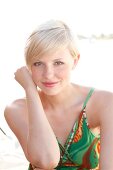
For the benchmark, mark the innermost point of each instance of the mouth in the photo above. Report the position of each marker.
(50, 84)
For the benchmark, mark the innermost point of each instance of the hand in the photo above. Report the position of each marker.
(23, 77)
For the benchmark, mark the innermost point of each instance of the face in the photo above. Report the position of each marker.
(51, 72)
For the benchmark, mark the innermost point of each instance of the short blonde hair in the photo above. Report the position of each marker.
(49, 37)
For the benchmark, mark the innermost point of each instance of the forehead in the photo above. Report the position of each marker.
(59, 54)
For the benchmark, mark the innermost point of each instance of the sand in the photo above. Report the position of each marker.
(11, 154)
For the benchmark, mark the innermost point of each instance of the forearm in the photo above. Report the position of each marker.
(41, 139)
(36, 168)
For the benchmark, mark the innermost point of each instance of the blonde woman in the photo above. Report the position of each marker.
(58, 123)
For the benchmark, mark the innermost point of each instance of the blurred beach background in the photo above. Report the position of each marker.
(91, 22)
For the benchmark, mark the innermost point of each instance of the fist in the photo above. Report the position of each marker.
(24, 78)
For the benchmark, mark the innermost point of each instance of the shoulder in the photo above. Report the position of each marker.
(15, 111)
(102, 99)
(16, 105)
(101, 105)
(104, 102)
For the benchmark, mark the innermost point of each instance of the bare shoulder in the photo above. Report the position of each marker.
(16, 114)
(102, 99)
(15, 109)
(104, 102)
(100, 106)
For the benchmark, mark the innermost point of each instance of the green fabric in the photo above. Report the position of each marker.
(88, 97)
(30, 168)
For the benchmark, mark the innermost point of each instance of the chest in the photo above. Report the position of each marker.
(62, 124)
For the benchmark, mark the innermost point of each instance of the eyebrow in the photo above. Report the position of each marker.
(57, 59)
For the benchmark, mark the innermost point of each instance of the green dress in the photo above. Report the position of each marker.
(82, 148)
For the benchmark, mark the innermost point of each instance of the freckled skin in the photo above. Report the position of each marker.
(53, 68)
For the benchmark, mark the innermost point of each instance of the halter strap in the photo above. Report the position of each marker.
(87, 98)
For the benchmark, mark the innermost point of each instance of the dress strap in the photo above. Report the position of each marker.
(87, 98)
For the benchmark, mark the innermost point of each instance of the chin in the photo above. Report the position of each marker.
(51, 92)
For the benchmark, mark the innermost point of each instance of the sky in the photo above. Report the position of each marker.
(18, 18)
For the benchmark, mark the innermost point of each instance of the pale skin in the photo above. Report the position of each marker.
(42, 115)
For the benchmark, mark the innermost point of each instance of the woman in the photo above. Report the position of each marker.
(58, 123)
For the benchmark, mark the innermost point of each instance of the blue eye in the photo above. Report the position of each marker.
(37, 63)
(58, 63)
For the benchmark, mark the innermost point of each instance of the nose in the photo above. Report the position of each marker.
(48, 72)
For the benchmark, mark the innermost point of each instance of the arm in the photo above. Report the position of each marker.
(105, 110)
(40, 140)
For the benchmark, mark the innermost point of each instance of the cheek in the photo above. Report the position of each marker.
(36, 76)
(64, 72)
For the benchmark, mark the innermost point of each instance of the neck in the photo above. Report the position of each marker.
(64, 98)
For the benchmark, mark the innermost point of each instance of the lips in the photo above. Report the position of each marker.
(49, 84)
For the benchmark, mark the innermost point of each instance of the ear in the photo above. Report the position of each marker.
(76, 61)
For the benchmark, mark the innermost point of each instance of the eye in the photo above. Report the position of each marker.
(58, 63)
(37, 63)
